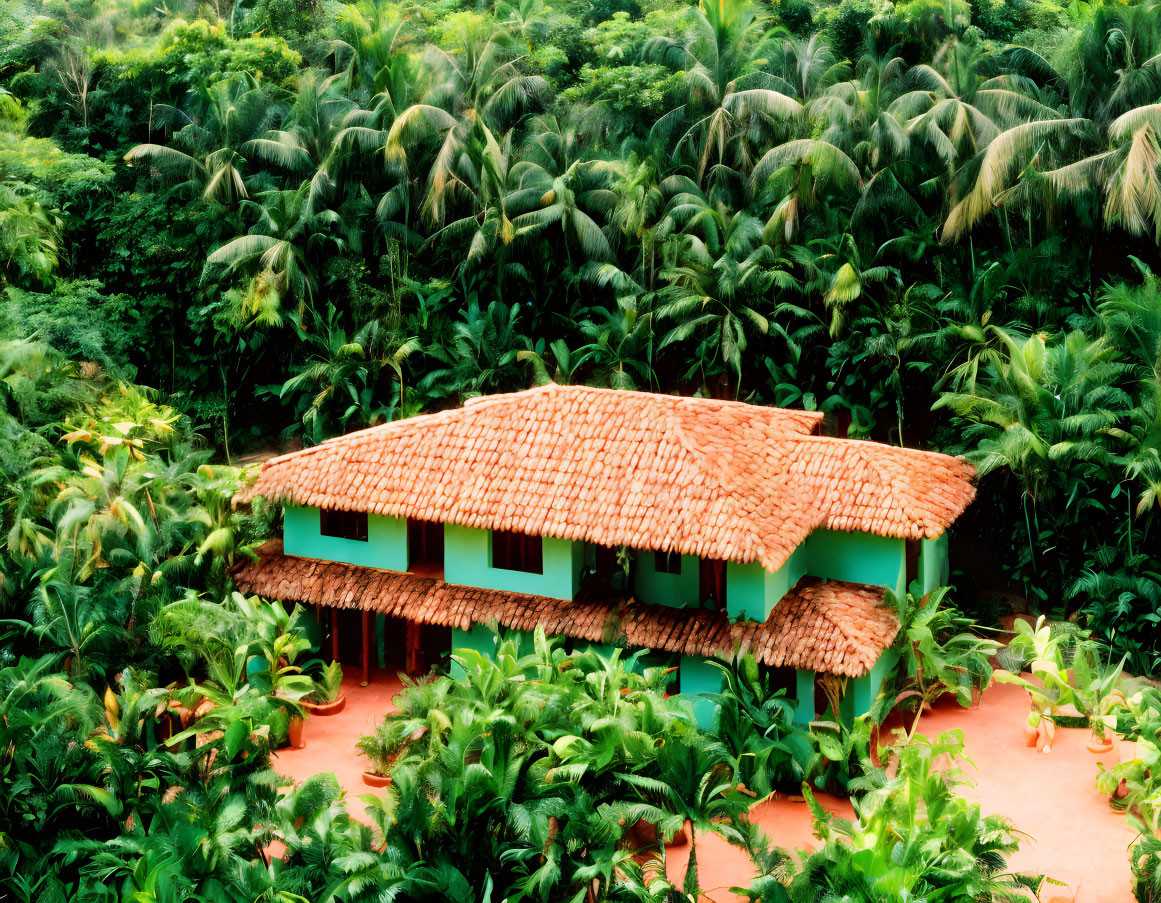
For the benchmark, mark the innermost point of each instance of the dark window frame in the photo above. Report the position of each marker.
(425, 542)
(712, 583)
(667, 563)
(520, 552)
(350, 525)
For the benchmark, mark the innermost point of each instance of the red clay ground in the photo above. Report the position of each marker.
(1072, 834)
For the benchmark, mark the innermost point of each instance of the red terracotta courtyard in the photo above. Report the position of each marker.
(1068, 830)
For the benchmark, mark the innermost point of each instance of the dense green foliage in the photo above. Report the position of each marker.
(911, 838)
(302, 219)
(537, 773)
(936, 222)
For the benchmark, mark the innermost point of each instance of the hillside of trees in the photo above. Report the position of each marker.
(937, 221)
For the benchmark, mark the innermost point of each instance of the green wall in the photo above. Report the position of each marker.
(804, 690)
(386, 545)
(831, 554)
(857, 557)
(861, 691)
(674, 590)
(752, 591)
(699, 676)
(478, 638)
(468, 562)
(933, 564)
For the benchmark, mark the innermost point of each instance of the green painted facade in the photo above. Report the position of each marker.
(479, 638)
(804, 691)
(858, 558)
(934, 570)
(467, 561)
(657, 588)
(752, 592)
(386, 545)
(699, 676)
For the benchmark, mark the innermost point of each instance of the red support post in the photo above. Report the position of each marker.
(411, 659)
(366, 647)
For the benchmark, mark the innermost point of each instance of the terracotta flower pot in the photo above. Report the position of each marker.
(1100, 745)
(681, 838)
(642, 833)
(326, 708)
(372, 779)
(295, 733)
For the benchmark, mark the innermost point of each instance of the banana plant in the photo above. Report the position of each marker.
(1050, 689)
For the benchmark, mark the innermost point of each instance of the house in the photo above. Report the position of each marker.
(686, 526)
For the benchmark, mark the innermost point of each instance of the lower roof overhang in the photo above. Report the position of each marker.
(832, 627)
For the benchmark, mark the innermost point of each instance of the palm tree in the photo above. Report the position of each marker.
(619, 346)
(210, 151)
(1051, 414)
(1006, 157)
(715, 289)
(483, 353)
(733, 108)
(835, 270)
(367, 52)
(476, 93)
(962, 101)
(858, 113)
(1115, 65)
(280, 251)
(804, 66)
(637, 210)
(1128, 174)
(549, 188)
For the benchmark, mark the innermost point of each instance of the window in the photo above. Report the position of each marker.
(711, 578)
(517, 552)
(914, 550)
(424, 543)
(667, 562)
(343, 524)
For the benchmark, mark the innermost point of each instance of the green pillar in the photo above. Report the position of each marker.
(381, 640)
(804, 713)
(862, 692)
(933, 566)
(479, 638)
(699, 676)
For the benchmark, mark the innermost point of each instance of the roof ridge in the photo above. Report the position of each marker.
(702, 476)
(700, 456)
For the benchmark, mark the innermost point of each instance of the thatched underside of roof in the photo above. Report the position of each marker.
(826, 626)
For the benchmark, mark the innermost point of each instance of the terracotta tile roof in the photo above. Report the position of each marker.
(715, 479)
(828, 626)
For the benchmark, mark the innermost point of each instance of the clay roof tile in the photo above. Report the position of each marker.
(835, 627)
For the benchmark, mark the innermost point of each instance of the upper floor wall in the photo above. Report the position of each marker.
(469, 555)
(752, 592)
(385, 545)
(470, 558)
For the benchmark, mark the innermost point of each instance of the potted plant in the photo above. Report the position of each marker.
(327, 697)
(1049, 691)
(1096, 695)
(382, 748)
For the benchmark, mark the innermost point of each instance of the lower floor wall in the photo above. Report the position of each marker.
(697, 676)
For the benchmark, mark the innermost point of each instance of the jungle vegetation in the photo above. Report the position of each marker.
(237, 226)
(936, 221)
